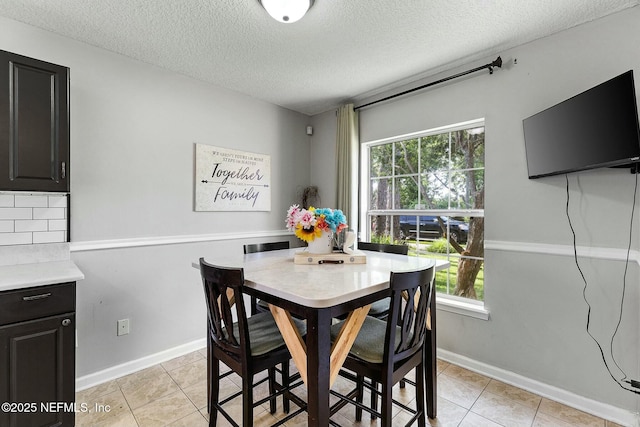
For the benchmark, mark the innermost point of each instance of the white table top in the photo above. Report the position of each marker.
(325, 285)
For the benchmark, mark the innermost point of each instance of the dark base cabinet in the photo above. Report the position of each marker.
(37, 357)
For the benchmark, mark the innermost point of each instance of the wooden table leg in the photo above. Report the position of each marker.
(318, 361)
(292, 338)
(345, 340)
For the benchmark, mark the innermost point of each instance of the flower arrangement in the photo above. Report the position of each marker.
(308, 224)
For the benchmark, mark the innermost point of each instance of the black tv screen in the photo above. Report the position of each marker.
(597, 128)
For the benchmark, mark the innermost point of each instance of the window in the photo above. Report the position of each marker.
(427, 190)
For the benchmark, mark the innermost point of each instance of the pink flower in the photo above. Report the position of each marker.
(292, 217)
(307, 219)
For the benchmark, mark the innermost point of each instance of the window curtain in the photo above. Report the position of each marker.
(347, 144)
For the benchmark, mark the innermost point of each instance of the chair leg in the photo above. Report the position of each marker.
(387, 403)
(208, 370)
(272, 389)
(360, 392)
(213, 390)
(431, 374)
(420, 386)
(286, 382)
(247, 401)
(374, 399)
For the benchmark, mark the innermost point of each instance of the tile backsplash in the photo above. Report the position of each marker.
(32, 218)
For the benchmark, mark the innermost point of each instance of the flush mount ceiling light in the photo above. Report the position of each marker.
(286, 11)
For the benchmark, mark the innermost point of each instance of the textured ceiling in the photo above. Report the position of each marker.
(342, 50)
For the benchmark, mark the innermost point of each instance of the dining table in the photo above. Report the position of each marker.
(319, 292)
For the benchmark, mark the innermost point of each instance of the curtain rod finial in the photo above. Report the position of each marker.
(496, 63)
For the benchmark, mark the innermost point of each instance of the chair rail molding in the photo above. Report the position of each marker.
(614, 254)
(95, 245)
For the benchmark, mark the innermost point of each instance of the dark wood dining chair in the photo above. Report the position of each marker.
(264, 247)
(386, 350)
(380, 309)
(248, 346)
(258, 306)
(384, 247)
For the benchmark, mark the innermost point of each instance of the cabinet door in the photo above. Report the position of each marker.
(37, 366)
(34, 124)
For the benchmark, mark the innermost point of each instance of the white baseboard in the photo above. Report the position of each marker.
(132, 366)
(599, 409)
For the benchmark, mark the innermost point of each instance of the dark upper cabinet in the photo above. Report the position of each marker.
(34, 124)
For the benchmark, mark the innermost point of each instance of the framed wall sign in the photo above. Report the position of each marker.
(231, 180)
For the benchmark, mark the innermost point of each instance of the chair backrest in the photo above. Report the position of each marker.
(223, 294)
(384, 247)
(264, 247)
(408, 320)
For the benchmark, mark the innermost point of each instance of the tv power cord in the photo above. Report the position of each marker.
(634, 383)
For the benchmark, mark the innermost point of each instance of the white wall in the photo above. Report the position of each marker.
(537, 314)
(133, 129)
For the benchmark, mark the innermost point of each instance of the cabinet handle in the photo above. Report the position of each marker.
(66, 322)
(36, 297)
(64, 170)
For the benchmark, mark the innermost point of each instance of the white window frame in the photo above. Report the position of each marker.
(451, 303)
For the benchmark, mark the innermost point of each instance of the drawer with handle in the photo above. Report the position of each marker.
(33, 303)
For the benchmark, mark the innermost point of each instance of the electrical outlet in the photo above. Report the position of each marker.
(123, 327)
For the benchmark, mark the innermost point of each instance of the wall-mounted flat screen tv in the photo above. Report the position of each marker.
(596, 128)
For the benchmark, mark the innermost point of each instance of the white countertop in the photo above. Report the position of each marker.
(26, 266)
(43, 273)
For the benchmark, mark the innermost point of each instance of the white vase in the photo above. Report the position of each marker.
(322, 244)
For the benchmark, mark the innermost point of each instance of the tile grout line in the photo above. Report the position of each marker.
(128, 404)
(535, 416)
(475, 401)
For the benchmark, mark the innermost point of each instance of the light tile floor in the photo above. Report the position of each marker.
(174, 394)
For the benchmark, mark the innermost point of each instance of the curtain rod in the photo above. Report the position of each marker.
(496, 63)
